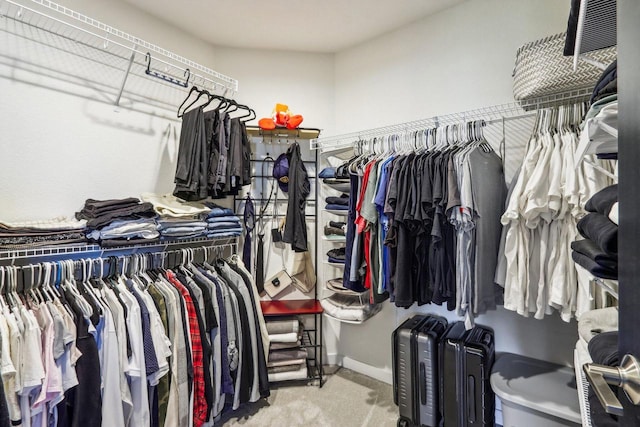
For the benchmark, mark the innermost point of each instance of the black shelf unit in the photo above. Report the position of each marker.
(260, 177)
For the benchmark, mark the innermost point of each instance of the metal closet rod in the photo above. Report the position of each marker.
(10, 256)
(490, 114)
(28, 275)
(76, 24)
(185, 252)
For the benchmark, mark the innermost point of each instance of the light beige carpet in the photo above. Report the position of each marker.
(347, 399)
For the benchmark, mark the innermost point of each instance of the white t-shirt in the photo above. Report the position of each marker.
(8, 370)
(136, 366)
(117, 313)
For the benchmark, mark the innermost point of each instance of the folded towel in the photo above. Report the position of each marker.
(284, 345)
(602, 201)
(590, 249)
(286, 362)
(282, 326)
(595, 322)
(601, 230)
(289, 337)
(344, 307)
(287, 355)
(285, 368)
(287, 376)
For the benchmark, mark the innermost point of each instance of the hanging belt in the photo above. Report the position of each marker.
(249, 224)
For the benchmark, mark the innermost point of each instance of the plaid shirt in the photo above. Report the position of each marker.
(199, 401)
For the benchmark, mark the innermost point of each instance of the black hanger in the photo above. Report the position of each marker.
(200, 93)
(212, 96)
(193, 89)
(252, 115)
(250, 112)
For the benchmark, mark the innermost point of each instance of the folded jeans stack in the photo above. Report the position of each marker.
(337, 255)
(337, 203)
(57, 231)
(174, 228)
(598, 253)
(287, 360)
(119, 221)
(222, 222)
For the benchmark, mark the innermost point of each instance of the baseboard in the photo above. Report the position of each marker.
(379, 374)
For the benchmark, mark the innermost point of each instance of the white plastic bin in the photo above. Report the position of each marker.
(535, 393)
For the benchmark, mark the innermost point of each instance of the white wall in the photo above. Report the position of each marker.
(456, 60)
(61, 143)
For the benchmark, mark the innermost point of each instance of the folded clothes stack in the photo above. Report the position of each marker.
(287, 360)
(57, 231)
(337, 203)
(178, 219)
(598, 253)
(172, 229)
(603, 349)
(603, 116)
(597, 321)
(350, 308)
(336, 175)
(335, 230)
(337, 255)
(119, 221)
(336, 285)
(222, 222)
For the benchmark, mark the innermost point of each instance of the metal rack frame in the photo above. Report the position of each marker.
(68, 32)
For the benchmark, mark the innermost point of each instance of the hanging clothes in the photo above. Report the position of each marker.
(214, 156)
(546, 202)
(295, 229)
(160, 347)
(424, 224)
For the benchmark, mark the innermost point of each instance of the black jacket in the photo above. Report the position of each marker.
(295, 230)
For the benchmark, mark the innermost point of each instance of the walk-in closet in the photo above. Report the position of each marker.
(350, 214)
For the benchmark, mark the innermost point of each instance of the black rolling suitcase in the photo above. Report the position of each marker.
(466, 360)
(415, 373)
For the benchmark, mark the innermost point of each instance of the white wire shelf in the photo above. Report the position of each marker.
(490, 114)
(597, 29)
(96, 251)
(43, 38)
